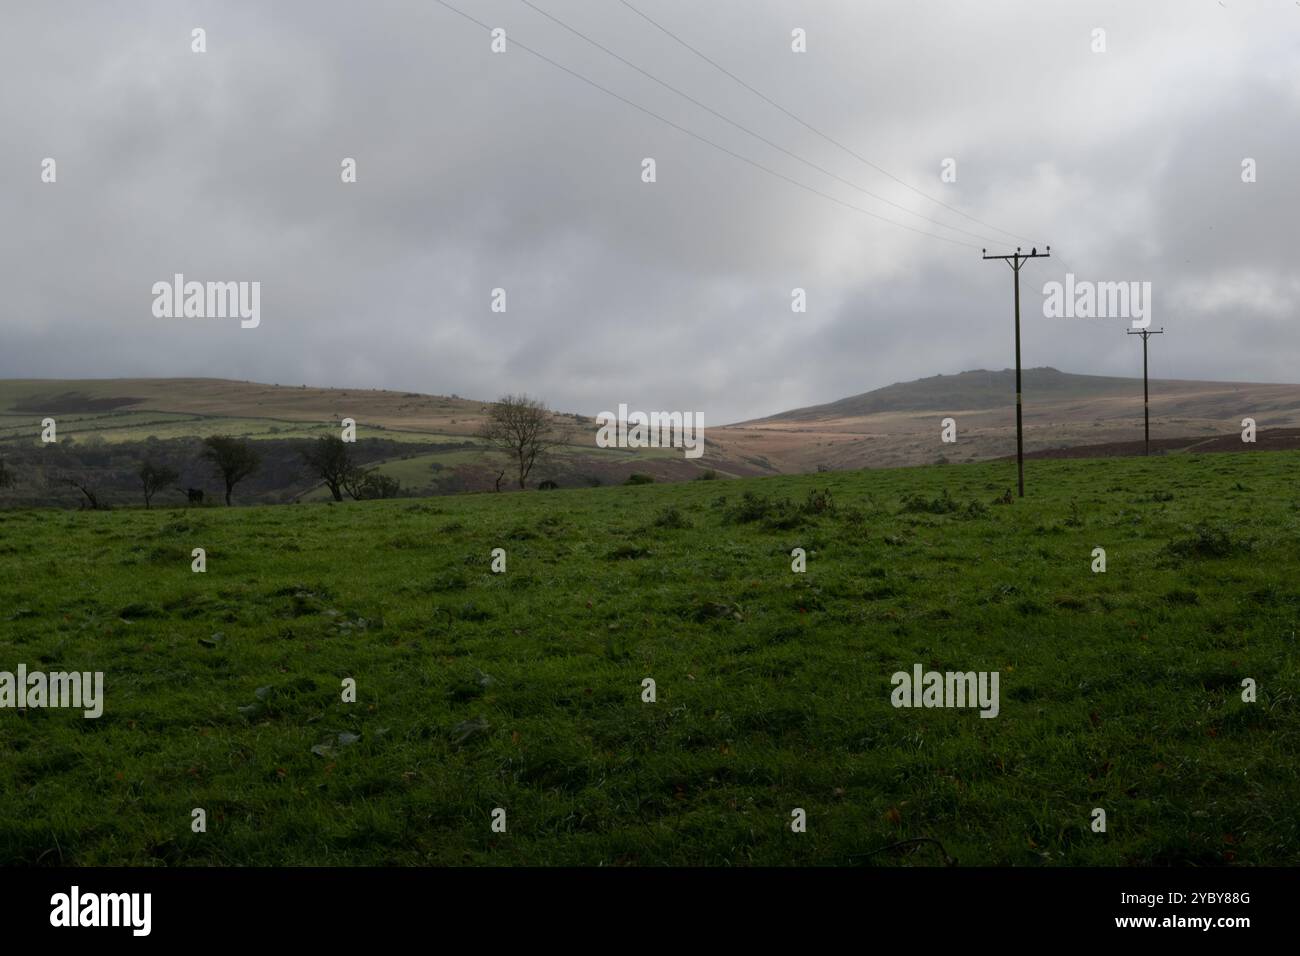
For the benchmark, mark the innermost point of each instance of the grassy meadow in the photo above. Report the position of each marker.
(523, 690)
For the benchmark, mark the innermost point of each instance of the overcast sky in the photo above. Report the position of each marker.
(478, 170)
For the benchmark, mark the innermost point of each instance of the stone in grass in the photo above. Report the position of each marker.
(212, 641)
(467, 689)
(263, 694)
(467, 729)
(710, 610)
(327, 748)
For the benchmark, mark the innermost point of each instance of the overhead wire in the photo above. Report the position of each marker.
(758, 136)
(826, 136)
(704, 139)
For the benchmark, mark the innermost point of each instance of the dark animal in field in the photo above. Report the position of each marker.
(195, 495)
(547, 485)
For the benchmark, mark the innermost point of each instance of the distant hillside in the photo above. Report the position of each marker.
(107, 427)
(983, 389)
(430, 442)
(226, 399)
(900, 424)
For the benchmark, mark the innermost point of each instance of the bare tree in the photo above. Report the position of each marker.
(83, 485)
(330, 460)
(524, 429)
(155, 478)
(62, 468)
(235, 459)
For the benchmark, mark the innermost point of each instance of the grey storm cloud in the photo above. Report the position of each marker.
(478, 171)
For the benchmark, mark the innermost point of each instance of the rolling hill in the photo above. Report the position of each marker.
(429, 441)
(900, 424)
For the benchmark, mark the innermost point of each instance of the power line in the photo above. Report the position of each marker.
(744, 129)
(1146, 399)
(1016, 261)
(826, 136)
(706, 140)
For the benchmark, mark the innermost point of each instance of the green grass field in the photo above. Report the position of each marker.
(523, 690)
(114, 427)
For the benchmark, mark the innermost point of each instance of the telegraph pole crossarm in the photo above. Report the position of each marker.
(1015, 262)
(1146, 410)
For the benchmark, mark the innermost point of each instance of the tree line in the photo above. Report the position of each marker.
(329, 459)
(522, 428)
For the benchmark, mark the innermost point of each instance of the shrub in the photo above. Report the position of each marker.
(854, 516)
(672, 518)
(784, 515)
(942, 505)
(752, 507)
(819, 502)
(779, 513)
(1208, 541)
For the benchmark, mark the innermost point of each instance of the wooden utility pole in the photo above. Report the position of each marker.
(1015, 262)
(1146, 399)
